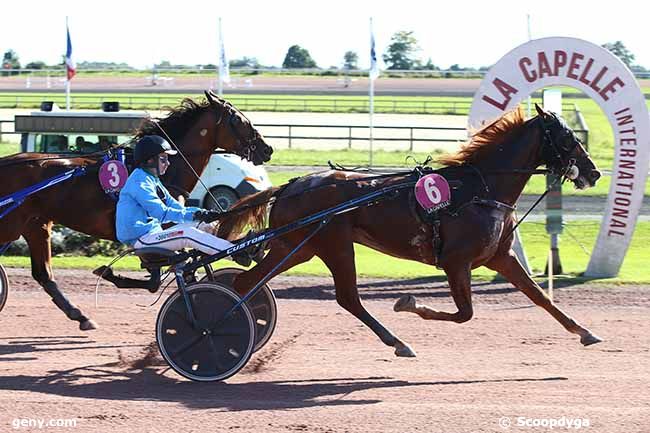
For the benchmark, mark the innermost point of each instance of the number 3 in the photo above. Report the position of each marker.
(114, 181)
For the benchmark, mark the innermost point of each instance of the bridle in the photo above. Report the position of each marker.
(561, 166)
(246, 146)
(247, 149)
(555, 163)
(550, 153)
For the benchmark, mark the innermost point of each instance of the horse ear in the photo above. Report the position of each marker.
(209, 96)
(540, 110)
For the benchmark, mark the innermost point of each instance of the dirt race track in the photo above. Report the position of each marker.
(324, 372)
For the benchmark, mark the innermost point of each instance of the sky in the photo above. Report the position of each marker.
(469, 33)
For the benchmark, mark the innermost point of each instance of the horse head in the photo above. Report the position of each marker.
(239, 136)
(563, 152)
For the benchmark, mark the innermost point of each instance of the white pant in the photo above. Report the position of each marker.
(183, 236)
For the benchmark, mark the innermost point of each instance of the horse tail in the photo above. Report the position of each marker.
(248, 213)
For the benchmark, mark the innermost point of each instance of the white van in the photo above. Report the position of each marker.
(227, 176)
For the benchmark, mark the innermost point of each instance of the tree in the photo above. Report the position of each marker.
(400, 54)
(620, 50)
(35, 65)
(298, 57)
(245, 62)
(350, 59)
(429, 66)
(102, 65)
(10, 60)
(164, 64)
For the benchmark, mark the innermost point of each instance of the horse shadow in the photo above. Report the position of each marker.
(34, 345)
(115, 381)
(153, 381)
(424, 287)
(428, 287)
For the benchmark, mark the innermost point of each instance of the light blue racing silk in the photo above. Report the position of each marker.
(144, 205)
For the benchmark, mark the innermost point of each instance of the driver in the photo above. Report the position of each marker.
(145, 204)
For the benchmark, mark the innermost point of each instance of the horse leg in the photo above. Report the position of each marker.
(459, 278)
(338, 256)
(37, 235)
(508, 266)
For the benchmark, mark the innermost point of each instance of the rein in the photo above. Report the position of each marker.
(52, 158)
(275, 197)
(539, 199)
(419, 169)
(187, 162)
(563, 173)
(247, 152)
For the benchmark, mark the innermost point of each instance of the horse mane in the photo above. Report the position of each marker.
(175, 123)
(250, 212)
(485, 139)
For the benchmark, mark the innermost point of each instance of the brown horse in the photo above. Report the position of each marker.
(198, 129)
(476, 230)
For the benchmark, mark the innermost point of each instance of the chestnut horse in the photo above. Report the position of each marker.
(476, 230)
(198, 129)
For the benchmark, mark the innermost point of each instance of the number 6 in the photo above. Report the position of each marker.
(432, 191)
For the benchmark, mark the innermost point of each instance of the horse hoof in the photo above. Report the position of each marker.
(88, 325)
(589, 339)
(405, 303)
(404, 350)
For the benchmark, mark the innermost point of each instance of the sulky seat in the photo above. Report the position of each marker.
(152, 258)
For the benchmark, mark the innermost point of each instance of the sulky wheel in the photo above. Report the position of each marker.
(262, 305)
(4, 287)
(219, 346)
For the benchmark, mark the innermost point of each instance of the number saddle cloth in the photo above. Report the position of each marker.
(432, 195)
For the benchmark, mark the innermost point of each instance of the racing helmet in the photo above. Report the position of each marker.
(150, 146)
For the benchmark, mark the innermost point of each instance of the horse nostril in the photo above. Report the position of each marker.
(595, 175)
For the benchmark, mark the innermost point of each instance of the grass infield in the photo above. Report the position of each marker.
(575, 244)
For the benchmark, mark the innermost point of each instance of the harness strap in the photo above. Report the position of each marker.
(484, 202)
(496, 204)
(518, 171)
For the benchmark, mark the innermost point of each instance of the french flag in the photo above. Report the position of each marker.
(69, 63)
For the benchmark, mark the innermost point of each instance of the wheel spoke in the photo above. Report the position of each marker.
(184, 348)
(219, 365)
(230, 333)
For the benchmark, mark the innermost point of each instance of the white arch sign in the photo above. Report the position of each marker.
(560, 61)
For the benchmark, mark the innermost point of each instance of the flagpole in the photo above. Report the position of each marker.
(67, 79)
(67, 94)
(371, 90)
(528, 108)
(372, 109)
(220, 81)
